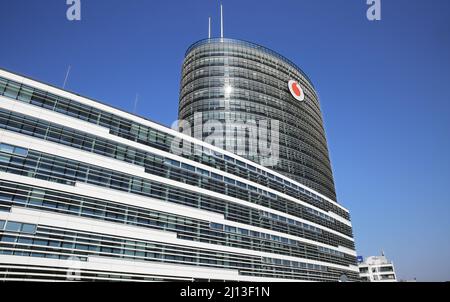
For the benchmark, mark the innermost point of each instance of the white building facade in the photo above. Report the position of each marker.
(90, 192)
(377, 269)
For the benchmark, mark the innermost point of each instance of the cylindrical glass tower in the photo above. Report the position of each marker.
(227, 79)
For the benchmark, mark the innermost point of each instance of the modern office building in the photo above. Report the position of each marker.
(232, 80)
(90, 192)
(377, 269)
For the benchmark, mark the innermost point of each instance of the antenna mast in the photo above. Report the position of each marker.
(67, 76)
(136, 100)
(209, 28)
(221, 20)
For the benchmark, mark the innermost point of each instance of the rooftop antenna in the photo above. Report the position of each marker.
(209, 28)
(136, 100)
(67, 76)
(221, 20)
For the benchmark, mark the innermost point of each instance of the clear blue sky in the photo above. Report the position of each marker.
(384, 89)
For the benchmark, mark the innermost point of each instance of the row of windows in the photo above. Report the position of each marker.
(291, 221)
(376, 269)
(211, 64)
(283, 240)
(244, 75)
(129, 130)
(283, 262)
(294, 139)
(250, 101)
(186, 228)
(245, 232)
(293, 124)
(13, 272)
(293, 145)
(330, 251)
(320, 214)
(335, 273)
(154, 164)
(13, 150)
(218, 177)
(243, 47)
(52, 168)
(54, 242)
(206, 58)
(245, 84)
(12, 226)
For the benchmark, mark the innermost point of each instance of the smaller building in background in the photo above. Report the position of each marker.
(376, 269)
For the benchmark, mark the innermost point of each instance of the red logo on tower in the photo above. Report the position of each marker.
(296, 90)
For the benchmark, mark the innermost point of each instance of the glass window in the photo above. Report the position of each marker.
(243, 231)
(216, 176)
(230, 229)
(12, 226)
(8, 239)
(230, 181)
(67, 245)
(25, 94)
(2, 85)
(241, 184)
(40, 242)
(217, 154)
(203, 172)
(252, 188)
(240, 163)
(11, 149)
(5, 158)
(172, 162)
(37, 197)
(254, 234)
(216, 226)
(11, 90)
(29, 228)
(2, 224)
(121, 152)
(28, 241)
(275, 238)
(272, 195)
(55, 243)
(82, 247)
(6, 148)
(228, 158)
(21, 151)
(188, 167)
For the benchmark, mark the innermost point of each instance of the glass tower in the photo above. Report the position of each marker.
(232, 80)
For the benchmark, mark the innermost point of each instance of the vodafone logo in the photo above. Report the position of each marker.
(296, 90)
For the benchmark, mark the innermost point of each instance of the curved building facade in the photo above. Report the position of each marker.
(232, 80)
(90, 192)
